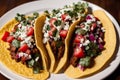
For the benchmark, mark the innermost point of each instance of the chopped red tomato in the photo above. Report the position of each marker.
(19, 39)
(23, 48)
(28, 51)
(5, 35)
(63, 33)
(63, 16)
(78, 52)
(78, 39)
(93, 26)
(52, 20)
(10, 39)
(30, 31)
(51, 31)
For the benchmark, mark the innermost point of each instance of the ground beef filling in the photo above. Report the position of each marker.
(58, 48)
(14, 51)
(74, 61)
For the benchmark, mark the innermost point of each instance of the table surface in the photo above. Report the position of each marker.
(112, 6)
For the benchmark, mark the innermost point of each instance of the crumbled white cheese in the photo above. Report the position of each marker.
(45, 40)
(68, 17)
(20, 54)
(82, 40)
(19, 25)
(60, 27)
(66, 27)
(22, 30)
(103, 30)
(86, 42)
(98, 22)
(87, 27)
(36, 59)
(46, 34)
(81, 45)
(28, 41)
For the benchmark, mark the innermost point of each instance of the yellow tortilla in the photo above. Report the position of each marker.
(18, 67)
(39, 23)
(105, 56)
(55, 66)
(63, 61)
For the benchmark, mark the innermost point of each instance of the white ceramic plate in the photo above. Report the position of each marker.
(42, 5)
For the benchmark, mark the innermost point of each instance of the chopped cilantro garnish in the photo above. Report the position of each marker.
(35, 14)
(37, 67)
(80, 31)
(57, 23)
(93, 49)
(31, 63)
(55, 11)
(54, 33)
(85, 61)
(16, 43)
(48, 27)
(20, 17)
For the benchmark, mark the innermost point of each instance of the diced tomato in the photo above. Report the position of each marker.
(52, 20)
(23, 48)
(78, 52)
(10, 39)
(63, 16)
(63, 33)
(51, 31)
(79, 39)
(19, 39)
(93, 26)
(28, 51)
(5, 35)
(30, 31)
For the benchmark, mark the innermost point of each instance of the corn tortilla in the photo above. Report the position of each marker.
(55, 66)
(105, 56)
(18, 67)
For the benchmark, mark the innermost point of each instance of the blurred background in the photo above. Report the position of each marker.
(112, 6)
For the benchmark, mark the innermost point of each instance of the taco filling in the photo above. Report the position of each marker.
(88, 42)
(22, 43)
(57, 24)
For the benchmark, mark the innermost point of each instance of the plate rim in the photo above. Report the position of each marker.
(108, 14)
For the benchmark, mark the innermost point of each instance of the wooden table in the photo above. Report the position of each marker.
(112, 6)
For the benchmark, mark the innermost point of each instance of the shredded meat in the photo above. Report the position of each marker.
(15, 51)
(61, 51)
(74, 61)
(12, 48)
(54, 48)
(57, 51)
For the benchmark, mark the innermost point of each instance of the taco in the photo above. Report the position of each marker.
(54, 29)
(19, 50)
(91, 46)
